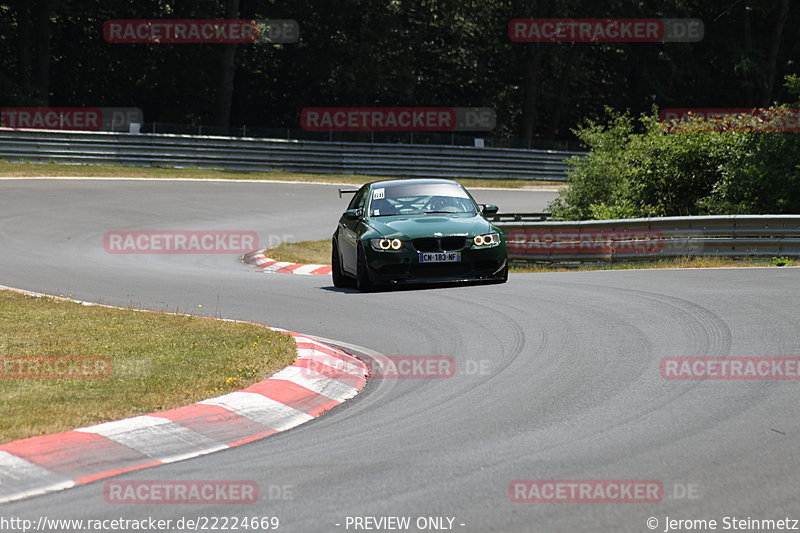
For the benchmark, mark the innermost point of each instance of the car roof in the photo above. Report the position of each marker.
(414, 181)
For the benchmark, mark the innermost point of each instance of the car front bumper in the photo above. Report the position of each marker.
(403, 266)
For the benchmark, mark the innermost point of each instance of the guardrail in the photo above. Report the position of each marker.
(234, 153)
(518, 217)
(444, 138)
(655, 238)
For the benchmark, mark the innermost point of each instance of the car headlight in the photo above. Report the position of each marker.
(383, 245)
(485, 241)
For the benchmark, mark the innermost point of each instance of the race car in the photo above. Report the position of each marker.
(408, 231)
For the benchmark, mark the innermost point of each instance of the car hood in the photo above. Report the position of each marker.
(417, 226)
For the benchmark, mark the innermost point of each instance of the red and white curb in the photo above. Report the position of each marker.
(259, 259)
(322, 377)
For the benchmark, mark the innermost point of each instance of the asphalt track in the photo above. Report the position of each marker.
(571, 387)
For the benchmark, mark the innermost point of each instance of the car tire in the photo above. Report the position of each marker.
(340, 279)
(363, 283)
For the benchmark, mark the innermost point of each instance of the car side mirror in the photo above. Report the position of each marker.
(489, 209)
(353, 214)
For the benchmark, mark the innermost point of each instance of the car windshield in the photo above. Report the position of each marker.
(420, 199)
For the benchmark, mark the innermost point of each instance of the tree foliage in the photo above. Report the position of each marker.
(639, 168)
(396, 52)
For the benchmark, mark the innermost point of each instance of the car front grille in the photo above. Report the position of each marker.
(426, 245)
(433, 270)
(453, 244)
(445, 244)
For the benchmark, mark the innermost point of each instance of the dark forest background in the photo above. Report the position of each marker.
(396, 53)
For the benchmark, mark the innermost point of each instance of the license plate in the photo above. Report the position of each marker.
(440, 257)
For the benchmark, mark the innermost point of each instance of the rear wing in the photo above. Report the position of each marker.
(347, 191)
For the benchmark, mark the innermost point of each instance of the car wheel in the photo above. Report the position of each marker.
(340, 279)
(363, 282)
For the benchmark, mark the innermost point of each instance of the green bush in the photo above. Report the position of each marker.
(765, 181)
(781, 261)
(637, 168)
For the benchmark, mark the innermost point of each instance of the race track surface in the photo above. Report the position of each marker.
(558, 373)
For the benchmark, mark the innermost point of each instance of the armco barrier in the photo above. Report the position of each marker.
(236, 153)
(655, 238)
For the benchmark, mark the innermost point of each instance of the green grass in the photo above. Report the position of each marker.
(158, 362)
(319, 252)
(782, 261)
(38, 170)
(307, 252)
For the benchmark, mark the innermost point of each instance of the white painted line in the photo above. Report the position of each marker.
(215, 180)
(306, 269)
(278, 265)
(165, 441)
(156, 437)
(304, 339)
(22, 479)
(261, 409)
(313, 380)
(320, 347)
(344, 365)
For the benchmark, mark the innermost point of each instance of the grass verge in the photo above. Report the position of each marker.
(677, 262)
(307, 252)
(158, 362)
(38, 170)
(319, 252)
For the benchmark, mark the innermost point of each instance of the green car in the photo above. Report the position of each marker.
(409, 231)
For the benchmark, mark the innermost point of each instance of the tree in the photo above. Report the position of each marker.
(640, 168)
(403, 52)
(227, 71)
